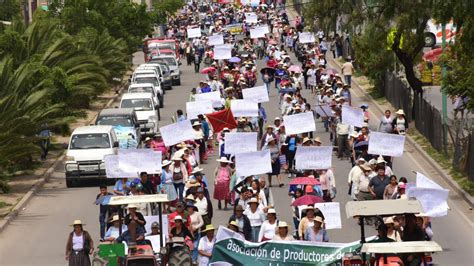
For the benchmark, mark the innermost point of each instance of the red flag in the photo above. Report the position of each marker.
(221, 119)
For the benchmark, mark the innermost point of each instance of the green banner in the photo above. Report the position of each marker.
(232, 250)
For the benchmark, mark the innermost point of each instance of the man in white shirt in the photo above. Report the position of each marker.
(347, 70)
(353, 176)
(342, 131)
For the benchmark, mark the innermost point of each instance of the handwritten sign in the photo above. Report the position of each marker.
(433, 201)
(239, 142)
(216, 40)
(193, 109)
(244, 108)
(258, 32)
(332, 214)
(313, 157)
(324, 110)
(194, 33)
(140, 160)
(258, 94)
(253, 163)
(155, 240)
(386, 144)
(352, 116)
(178, 132)
(425, 182)
(113, 170)
(213, 96)
(306, 37)
(223, 51)
(299, 123)
(251, 17)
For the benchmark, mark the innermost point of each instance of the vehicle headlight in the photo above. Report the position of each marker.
(69, 158)
(153, 118)
(71, 167)
(102, 165)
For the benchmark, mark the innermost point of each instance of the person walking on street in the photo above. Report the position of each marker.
(347, 70)
(222, 174)
(378, 183)
(79, 245)
(400, 123)
(104, 210)
(385, 125)
(316, 233)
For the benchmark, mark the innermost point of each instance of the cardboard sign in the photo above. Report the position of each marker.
(222, 52)
(306, 37)
(257, 94)
(251, 17)
(239, 142)
(216, 40)
(386, 144)
(193, 109)
(213, 96)
(253, 163)
(244, 108)
(324, 110)
(308, 158)
(352, 116)
(299, 123)
(194, 33)
(178, 132)
(258, 32)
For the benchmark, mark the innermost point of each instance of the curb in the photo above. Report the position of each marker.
(45, 177)
(453, 184)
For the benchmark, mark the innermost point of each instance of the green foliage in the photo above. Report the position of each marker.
(9, 9)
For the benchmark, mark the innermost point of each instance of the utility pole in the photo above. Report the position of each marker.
(443, 93)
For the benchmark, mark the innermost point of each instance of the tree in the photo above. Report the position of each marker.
(9, 9)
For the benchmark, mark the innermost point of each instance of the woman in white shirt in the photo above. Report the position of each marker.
(194, 226)
(268, 228)
(206, 244)
(283, 232)
(256, 217)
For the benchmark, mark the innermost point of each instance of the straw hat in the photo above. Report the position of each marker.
(400, 112)
(226, 129)
(252, 200)
(197, 169)
(77, 222)
(131, 206)
(178, 217)
(234, 223)
(196, 123)
(270, 139)
(209, 227)
(380, 159)
(165, 163)
(317, 139)
(306, 139)
(389, 220)
(115, 218)
(223, 160)
(319, 219)
(365, 167)
(271, 211)
(282, 224)
(177, 156)
(277, 118)
(355, 134)
(190, 197)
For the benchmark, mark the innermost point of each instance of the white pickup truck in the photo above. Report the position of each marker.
(146, 110)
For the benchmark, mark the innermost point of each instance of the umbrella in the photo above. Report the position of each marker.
(221, 119)
(207, 70)
(234, 60)
(331, 71)
(307, 200)
(305, 181)
(272, 42)
(433, 55)
(294, 68)
(270, 70)
(361, 145)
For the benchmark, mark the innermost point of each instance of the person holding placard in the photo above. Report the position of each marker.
(180, 174)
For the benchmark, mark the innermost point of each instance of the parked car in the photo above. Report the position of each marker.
(165, 73)
(85, 154)
(153, 79)
(173, 64)
(125, 124)
(145, 87)
(145, 108)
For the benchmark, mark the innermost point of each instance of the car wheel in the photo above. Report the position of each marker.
(72, 182)
(178, 82)
(430, 39)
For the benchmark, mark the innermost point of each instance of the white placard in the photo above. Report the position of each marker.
(244, 2)
(425, 182)
(352, 116)
(194, 33)
(306, 37)
(155, 242)
(222, 52)
(313, 157)
(251, 17)
(253, 163)
(332, 214)
(216, 40)
(239, 142)
(433, 201)
(178, 132)
(299, 123)
(386, 144)
(213, 96)
(139, 160)
(244, 108)
(258, 32)
(113, 170)
(155, 218)
(193, 109)
(258, 94)
(254, 3)
(324, 110)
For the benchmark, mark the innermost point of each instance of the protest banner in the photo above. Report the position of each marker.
(244, 108)
(258, 94)
(140, 160)
(306, 37)
(194, 33)
(424, 182)
(223, 51)
(235, 251)
(431, 195)
(178, 132)
(235, 29)
(251, 17)
(313, 157)
(193, 109)
(112, 169)
(239, 142)
(299, 123)
(213, 96)
(386, 144)
(258, 32)
(324, 110)
(253, 163)
(332, 214)
(352, 116)
(217, 39)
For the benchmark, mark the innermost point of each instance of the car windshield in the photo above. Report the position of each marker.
(137, 104)
(154, 81)
(141, 89)
(90, 141)
(170, 61)
(123, 121)
(165, 68)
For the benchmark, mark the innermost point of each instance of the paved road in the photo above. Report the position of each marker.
(38, 235)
